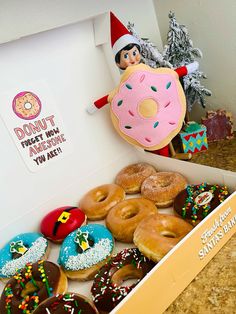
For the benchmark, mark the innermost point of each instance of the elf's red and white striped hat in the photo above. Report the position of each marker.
(120, 36)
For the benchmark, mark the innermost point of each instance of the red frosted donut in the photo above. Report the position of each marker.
(57, 224)
(26, 105)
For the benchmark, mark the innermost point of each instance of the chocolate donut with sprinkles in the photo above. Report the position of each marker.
(31, 286)
(108, 288)
(22, 249)
(197, 201)
(67, 303)
(85, 250)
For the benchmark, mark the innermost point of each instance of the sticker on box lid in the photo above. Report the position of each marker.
(35, 125)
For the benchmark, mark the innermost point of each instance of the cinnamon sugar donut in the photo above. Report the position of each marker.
(131, 177)
(163, 187)
(123, 218)
(26, 105)
(29, 287)
(97, 202)
(157, 234)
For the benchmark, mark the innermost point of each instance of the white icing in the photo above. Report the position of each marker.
(34, 253)
(90, 257)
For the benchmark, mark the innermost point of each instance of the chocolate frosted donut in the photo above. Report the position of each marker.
(67, 303)
(108, 289)
(28, 288)
(197, 201)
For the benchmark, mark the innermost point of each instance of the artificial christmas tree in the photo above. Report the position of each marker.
(179, 51)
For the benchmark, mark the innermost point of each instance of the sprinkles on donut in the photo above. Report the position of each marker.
(108, 290)
(22, 249)
(85, 250)
(197, 201)
(67, 303)
(30, 286)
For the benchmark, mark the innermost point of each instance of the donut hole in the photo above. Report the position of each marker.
(129, 212)
(27, 105)
(100, 196)
(164, 183)
(126, 276)
(31, 288)
(168, 234)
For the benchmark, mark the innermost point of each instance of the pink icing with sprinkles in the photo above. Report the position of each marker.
(160, 88)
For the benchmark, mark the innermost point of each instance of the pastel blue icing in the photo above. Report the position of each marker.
(29, 239)
(69, 255)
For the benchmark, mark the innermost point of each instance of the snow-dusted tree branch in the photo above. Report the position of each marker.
(177, 52)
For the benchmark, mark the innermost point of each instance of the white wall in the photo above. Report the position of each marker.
(21, 18)
(212, 27)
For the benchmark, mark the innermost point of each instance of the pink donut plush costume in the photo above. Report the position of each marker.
(148, 106)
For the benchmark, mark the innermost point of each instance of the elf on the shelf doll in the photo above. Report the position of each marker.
(126, 49)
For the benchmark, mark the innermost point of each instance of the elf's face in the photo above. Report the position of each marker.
(129, 57)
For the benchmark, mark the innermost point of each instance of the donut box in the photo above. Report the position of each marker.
(64, 84)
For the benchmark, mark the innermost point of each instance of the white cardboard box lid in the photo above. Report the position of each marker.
(75, 74)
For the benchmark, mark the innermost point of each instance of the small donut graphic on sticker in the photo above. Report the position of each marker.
(26, 105)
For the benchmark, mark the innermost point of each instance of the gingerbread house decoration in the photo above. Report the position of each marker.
(219, 125)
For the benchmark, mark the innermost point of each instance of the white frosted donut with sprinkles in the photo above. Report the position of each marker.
(22, 249)
(85, 250)
(148, 106)
(26, 105)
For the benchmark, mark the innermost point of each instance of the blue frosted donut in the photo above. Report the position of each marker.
(84, 250)
(20, 250)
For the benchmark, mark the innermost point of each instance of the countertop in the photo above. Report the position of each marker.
(214, 289)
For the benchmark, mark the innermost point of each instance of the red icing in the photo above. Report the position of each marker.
(57, 224)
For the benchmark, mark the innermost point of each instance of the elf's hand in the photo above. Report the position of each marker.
(91, 109)
(192, 67)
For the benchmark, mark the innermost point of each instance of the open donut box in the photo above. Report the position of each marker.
(68, 75)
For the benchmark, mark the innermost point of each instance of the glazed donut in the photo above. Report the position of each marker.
(131, 177)
(163, 187)
(123, 218)
(66, 303)
(197, 201)
(85, 250)
(20, 250)
(30, 286)
(156, 235)
(26, 105)
(60, 222)
(97, 202)
(107, 289)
